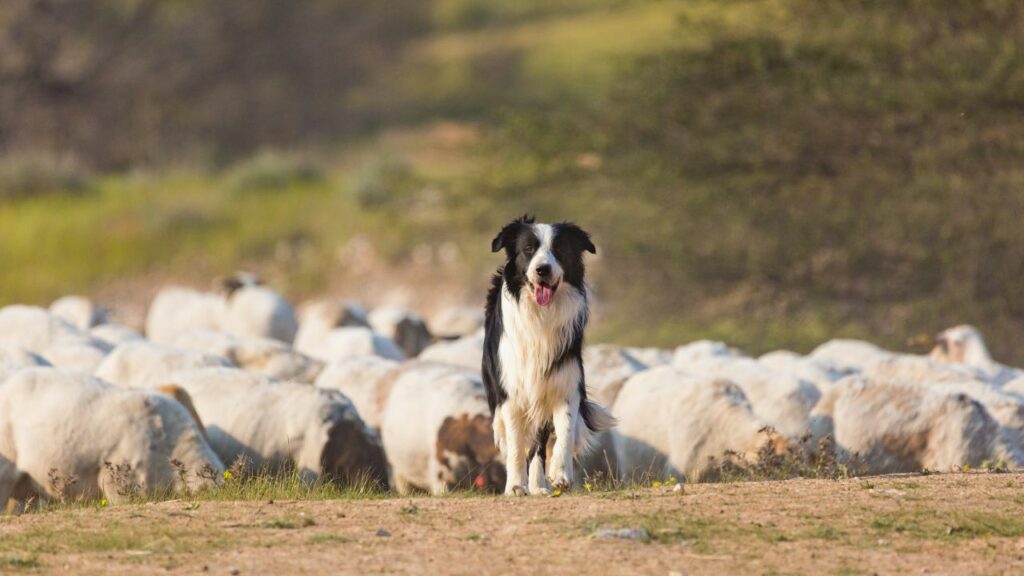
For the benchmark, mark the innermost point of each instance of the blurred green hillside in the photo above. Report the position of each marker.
(773, 173)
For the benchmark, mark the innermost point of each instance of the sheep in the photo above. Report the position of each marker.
(260, 355)
(84, 438)
(436, 429)
(38, 330)
(114, 334)
(364, 380)
(779, 399)
(1005, 407)
(278, 426)
(244, 308)
(467, 352)
(651, 357)
(963, 345)
(13, 359)
(675, 424)
(702, 349)
(404, 328)
(820, 372)
(176, 310)
(918, 370)
(456, 322)
(255, 311)
(319, 317)
(144, 365)
(607, 368)
(35, 329)
(894, 427)
(848, 355)
(79, 311)
(353, 341)
(82, 356)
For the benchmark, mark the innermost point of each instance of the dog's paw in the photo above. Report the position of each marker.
(561, 484)
(517, 491)
(540, 492)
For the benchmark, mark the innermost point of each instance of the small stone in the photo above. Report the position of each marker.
(623, 533)
(382, 533)
(234, 572)
(678, 488)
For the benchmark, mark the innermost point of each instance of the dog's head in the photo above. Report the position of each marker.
(543, 258)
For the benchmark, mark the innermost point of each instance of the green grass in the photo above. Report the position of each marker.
(19, 563)
(677, 527)
(921, 523)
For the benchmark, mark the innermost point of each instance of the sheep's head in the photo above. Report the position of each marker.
(961, 345)
(466, 450)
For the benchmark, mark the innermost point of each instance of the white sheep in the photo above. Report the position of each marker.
(83, 438)
(79, 355)
(675, 424)
(466, 352)
(177, 310)
(651, 357)
(893, 427)
(145, 365)
(114, 334)
(820, 372)
(13, 359)
(277, 426)
(256, 311)
(405, 328)
(35, 329)
(963, 345)
(260, 355)
(365, 380)
(778, 399)
(243, 308)
(607, 368)
(701, 350)
(81, 312)
(848, 355)
(457, 321)
(348, 342)
(436, 429)
(318, 317)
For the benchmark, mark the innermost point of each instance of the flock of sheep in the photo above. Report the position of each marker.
(91, 409)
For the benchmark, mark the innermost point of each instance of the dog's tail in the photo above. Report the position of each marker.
(596, 417)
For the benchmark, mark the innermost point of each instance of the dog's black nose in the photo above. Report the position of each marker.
(544, 270)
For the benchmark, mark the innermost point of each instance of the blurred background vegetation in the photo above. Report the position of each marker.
(769, 172)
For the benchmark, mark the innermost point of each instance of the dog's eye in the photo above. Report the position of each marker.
(529, 250)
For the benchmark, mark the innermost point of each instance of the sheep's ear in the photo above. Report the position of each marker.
(228, 285)
(579, 235)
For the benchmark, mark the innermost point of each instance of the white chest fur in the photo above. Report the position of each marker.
(535, 338)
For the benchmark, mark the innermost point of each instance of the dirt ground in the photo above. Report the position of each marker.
(940, 524)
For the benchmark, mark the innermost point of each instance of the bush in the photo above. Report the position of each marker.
(271, 172)
(31, 175)
(383, 180)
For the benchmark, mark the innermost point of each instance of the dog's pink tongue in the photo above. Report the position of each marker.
(543, 294)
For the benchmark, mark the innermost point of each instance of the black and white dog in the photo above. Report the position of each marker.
(533, 354)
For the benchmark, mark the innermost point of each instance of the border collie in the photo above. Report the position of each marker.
(533, 354)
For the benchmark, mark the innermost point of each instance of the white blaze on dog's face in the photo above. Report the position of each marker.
(543, 258)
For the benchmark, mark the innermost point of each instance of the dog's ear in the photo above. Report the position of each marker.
(579, 235)
(508, 234)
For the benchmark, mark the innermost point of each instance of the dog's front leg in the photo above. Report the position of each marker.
(516, 444)
(562, 453)
(538, 479)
